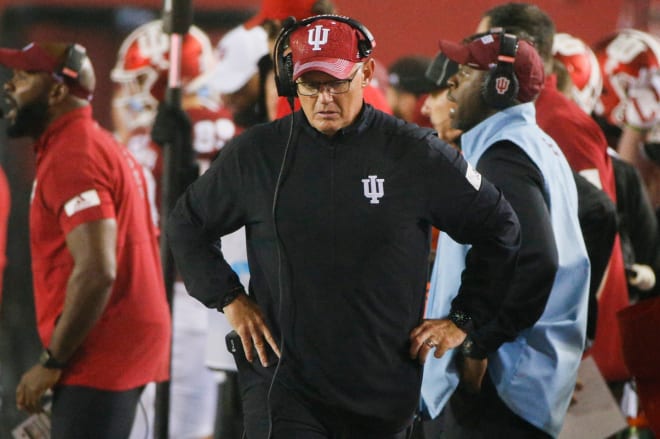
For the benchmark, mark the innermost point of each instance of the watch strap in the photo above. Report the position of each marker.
(47, 360)
(470, 349)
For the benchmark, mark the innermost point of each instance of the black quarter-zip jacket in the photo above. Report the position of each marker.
(353, 216)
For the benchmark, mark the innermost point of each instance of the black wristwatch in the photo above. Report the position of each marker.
(461, 319)
(47, 360)
(230, 297)
(470, 349)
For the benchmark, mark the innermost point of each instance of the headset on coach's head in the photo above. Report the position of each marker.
(284, 63)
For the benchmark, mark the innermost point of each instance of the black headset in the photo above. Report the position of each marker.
(284, 63)
(500, 86)
(69, 70)
(70, 67)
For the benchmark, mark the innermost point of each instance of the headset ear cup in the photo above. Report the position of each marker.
(290, 86)
(364, 48)
(72, 64)
(284, 76)
(283, 65)
(500, 87)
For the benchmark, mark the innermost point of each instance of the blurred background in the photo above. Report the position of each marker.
(401, 27)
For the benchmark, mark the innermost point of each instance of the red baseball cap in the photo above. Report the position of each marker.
(482, 53)
(34, 58)
(31, 58)
(325, 45)
(639, 325)
(281, 9)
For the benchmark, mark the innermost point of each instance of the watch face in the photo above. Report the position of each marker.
(47, 360)
(44, 357)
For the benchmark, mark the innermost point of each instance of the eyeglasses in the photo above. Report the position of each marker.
(336, 87)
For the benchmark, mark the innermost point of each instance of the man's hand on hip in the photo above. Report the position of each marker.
(245, 316)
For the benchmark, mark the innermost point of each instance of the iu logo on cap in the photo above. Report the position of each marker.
(317, 36)
(502, 85)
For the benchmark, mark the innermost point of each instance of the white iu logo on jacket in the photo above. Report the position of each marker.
(373, 188)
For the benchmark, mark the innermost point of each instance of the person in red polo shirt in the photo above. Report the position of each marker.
(101, 310)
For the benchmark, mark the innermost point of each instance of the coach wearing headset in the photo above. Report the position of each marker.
(337, 200)
(533, 341)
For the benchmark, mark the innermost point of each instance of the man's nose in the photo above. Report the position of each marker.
(324, 94)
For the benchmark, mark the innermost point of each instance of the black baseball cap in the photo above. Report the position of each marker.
(439, 72)
(408, 74)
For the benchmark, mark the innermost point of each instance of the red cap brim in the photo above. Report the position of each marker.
(455, 51)
(338, 68)
(30, 58)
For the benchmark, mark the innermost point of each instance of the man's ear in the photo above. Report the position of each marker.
(58, 92)
(368, 71)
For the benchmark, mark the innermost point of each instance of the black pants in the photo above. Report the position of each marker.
(485, 416)
(87, 413)
(291, 416)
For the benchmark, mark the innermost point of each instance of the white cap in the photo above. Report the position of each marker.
(237, 55)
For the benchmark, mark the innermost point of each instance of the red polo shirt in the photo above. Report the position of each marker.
(585, 148)
(83, 175)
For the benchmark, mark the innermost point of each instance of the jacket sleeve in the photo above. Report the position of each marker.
(640, 238)
(523, 302)
(209, 209)
(599, 223)
(471, 210)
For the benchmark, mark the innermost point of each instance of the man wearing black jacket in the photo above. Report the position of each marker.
(529, 342)
(338, 200)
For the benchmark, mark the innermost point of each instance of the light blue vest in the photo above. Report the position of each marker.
(534, 374)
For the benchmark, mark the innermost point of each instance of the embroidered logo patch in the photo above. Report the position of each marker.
(373, 188)
(502, 85)
(317, 37)
(473, 177)
(82, 201)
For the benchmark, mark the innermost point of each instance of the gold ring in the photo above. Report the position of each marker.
(430, 343)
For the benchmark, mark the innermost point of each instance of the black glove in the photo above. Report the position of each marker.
(171, 124)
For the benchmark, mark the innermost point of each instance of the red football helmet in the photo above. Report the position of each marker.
(142, 68)
(630, 64)
(583, 68)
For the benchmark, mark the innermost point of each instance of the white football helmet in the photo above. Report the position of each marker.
(142, 69)
(630, 64)
(582, 66)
